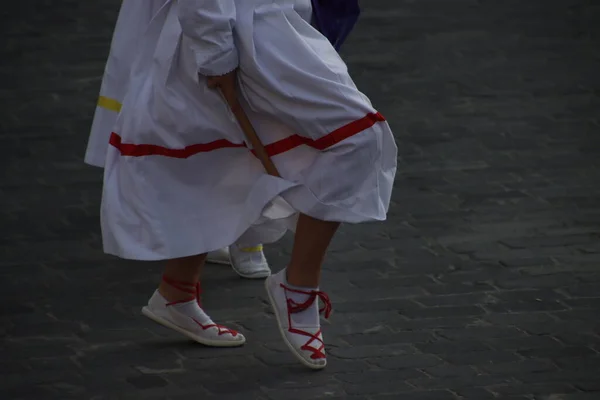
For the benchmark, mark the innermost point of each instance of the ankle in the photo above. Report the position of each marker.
(175, 291)
(299, 280)
(171, 294)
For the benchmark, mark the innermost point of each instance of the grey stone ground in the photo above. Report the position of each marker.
(484, 283)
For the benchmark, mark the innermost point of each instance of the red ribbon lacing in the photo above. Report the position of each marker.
(194, 291)
(294, 307)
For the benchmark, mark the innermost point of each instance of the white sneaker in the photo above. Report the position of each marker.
(249, 262)
(189, 319)
(299, 322)
(220, 256)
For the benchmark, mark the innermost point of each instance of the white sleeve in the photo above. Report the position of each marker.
(208, 24)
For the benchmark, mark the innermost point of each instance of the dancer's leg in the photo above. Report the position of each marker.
(294, 292)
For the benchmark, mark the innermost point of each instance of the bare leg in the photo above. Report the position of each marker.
(310, 245)
(294, 292)
(187, 269)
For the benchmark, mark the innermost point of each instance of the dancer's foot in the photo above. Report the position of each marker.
(249, 262)
(187, 317)
(297, 313)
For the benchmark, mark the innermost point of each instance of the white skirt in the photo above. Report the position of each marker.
(179, 178)
(134, 18)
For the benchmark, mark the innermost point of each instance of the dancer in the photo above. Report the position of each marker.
(180, 181)
(132, 23)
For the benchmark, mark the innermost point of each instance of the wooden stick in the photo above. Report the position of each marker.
(251, 134)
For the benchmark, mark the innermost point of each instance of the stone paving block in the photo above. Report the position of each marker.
(519, 367)
(378, 338)
(452, 347)
(474, 393)
(582, 381)
(468, 273)
(584, 290)
(437, 312)
(432, 323)
(454, 300)
(559, 352)
(459, 288)
(539, 281)
(481, 357)
(524, 342)
(568, 396)
(373, 351)
(419, 395)
(480, 333)
(380, 376)
(535, 389)
(457, 383)
(520, 319)
(527, 300)
(450, 371)
(407, 361)
(323, 392)
(579, 339)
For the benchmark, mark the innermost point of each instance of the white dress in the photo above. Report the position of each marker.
(179, 179)
(134, 18)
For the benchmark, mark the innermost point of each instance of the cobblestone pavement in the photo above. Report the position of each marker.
(483, 284)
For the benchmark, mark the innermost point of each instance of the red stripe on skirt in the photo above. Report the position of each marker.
(273, 149)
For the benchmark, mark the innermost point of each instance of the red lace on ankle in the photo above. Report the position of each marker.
(195, 292)
(186, 287)
(294, 307)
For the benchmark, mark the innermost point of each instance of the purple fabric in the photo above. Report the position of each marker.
(335, 19)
